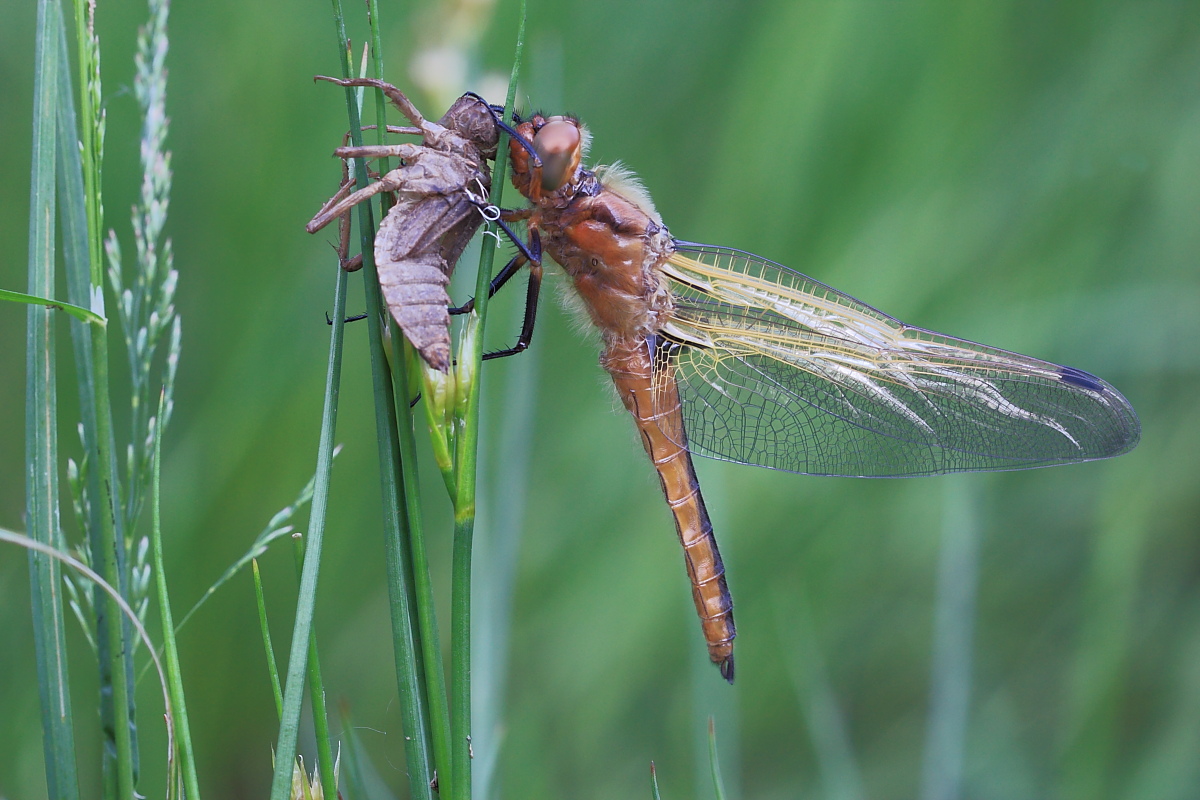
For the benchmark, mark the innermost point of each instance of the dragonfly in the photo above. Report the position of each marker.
(718, 352)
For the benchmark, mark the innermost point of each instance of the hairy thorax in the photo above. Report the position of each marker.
(611, 248)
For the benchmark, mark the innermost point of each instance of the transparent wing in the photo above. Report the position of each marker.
(778, 370)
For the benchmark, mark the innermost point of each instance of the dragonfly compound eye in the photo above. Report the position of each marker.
(558, 144)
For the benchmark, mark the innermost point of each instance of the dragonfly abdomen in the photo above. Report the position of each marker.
(653, 399)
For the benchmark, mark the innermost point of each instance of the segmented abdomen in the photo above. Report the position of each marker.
(653, 399)
(416, 249)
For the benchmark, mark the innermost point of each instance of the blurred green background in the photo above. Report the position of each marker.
(1025, 174)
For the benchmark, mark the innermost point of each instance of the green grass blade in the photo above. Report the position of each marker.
(275, 529)
(467, 446)
(654, 783)
(362, 780)
(183, 733)
(316, 696)
(405, 641)
(106, 537)
(417, 585)
(41, 420)
(828, 729)
(80, 313)
(954, 627)
(1098, 677)
(285, 747)
(92, 384)
(422, 586)
(714, 762)
(272, 665)
(103, 586)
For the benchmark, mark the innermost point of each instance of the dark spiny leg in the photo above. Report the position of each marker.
(531, 301)
(510, 130)
(521, 246)
(502, 277)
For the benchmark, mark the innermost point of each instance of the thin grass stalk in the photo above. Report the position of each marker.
(430, 637)
(1097, 678)
(73, 218)
(405, 642)
(714, 762)
(41, 420)
(418, 587)
(316, 697)
(506, 441)
(355, 784)
(107, 539)
(431, 676)
(285, 747)
(840, 776)
(265, 629)
(276, 528)
(460, 655)
(76, 239)
(943, 761)
(467, 451)
(139, 630)
(92, 132)
(187, 761)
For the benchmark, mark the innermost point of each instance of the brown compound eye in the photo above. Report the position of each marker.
(558, 145)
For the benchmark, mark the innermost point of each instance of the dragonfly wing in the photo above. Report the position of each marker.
(778, 370)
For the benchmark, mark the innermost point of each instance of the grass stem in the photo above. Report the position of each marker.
(467, 452)
(41, 419)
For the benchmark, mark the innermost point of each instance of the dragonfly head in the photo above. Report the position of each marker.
(560, 146)
(559, 143)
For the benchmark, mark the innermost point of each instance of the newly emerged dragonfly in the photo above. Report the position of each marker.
(722, 353)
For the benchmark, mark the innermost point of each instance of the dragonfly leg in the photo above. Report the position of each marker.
(531, 301)
(526, 255)
(503, 216)
(502, 277)
(496, 111)
(521, 246)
